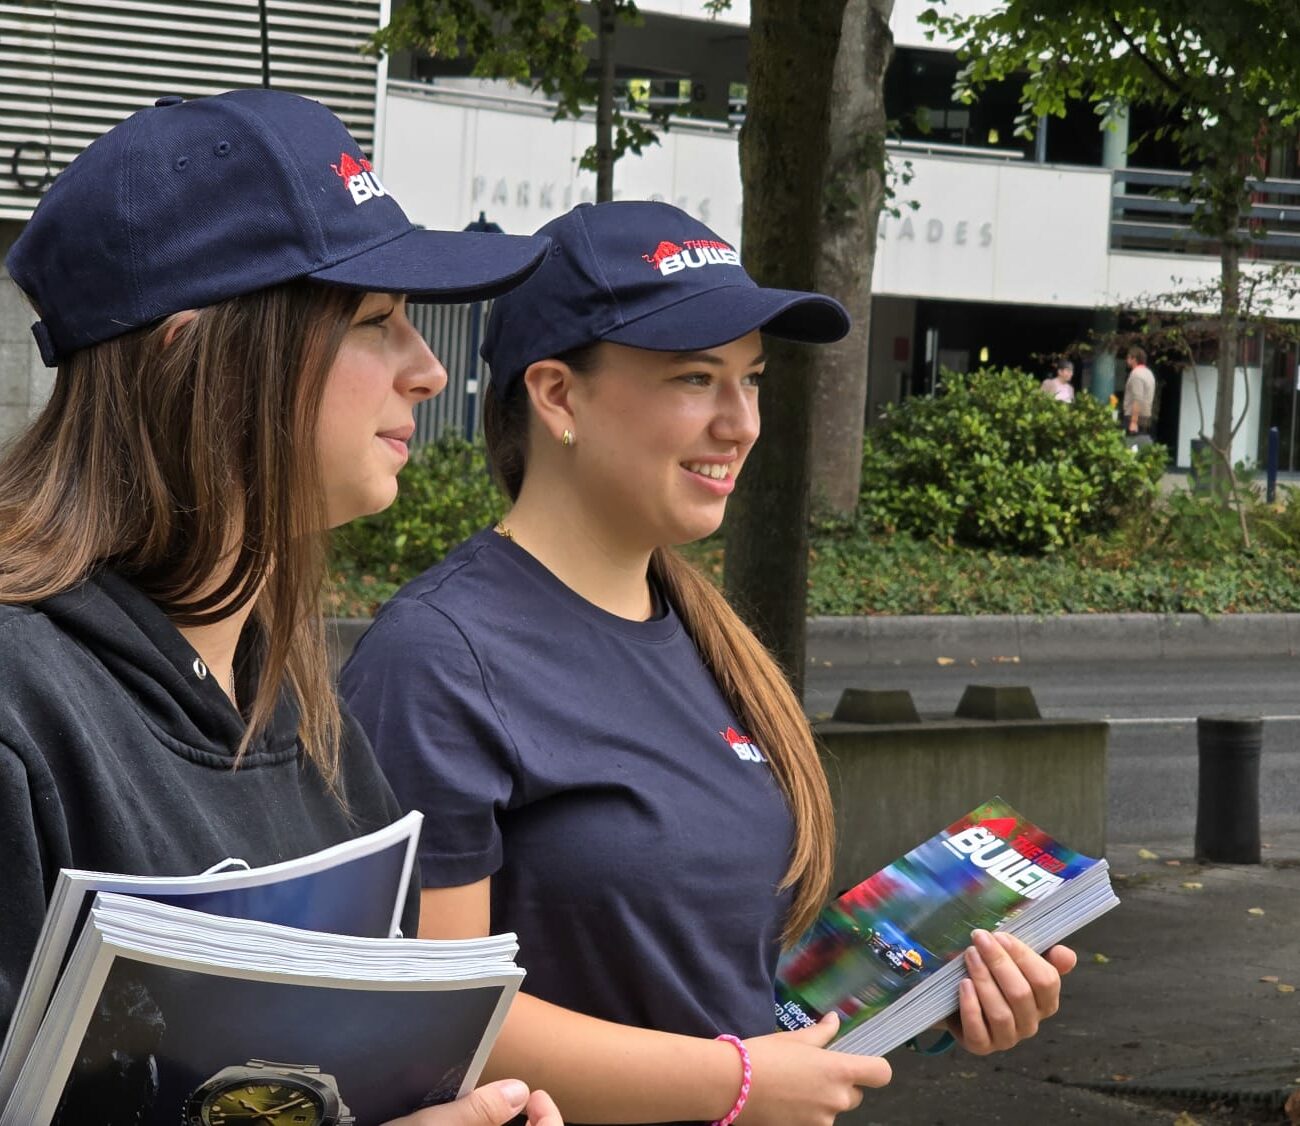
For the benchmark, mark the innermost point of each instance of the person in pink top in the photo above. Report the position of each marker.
(1059, 386)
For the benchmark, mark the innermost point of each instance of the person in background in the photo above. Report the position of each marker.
(221, 284)
(1059, 385)
(616, 768)
(1139, 397)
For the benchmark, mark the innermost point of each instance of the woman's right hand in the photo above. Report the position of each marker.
(493, 1104)
(797, 1082)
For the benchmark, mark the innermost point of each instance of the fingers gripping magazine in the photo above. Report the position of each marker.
(885, 955)
(276, 995)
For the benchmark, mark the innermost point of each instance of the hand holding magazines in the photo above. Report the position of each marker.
(886, 955)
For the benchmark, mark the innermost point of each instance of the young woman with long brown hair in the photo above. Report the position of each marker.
(221, 284)
(614, 767)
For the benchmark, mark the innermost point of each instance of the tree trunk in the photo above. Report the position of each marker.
(783, 151)
(605, 102)
(1230, 303)
(853, 195)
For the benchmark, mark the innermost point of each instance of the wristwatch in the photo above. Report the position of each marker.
(268, 1094)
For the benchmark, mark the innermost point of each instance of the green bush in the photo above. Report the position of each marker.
(444, 496)
(992, 462)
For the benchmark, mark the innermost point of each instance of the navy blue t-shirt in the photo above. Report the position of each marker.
(635, 836)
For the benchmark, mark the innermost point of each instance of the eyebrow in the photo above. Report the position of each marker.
(711, 358)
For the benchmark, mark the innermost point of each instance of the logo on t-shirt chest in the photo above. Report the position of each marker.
(745, 747)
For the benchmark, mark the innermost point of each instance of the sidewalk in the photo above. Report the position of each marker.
(1175, 1021)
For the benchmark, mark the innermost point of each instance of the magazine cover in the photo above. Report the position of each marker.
(258, 1023)
(357, 887)
(174, 1047)
(897, 928)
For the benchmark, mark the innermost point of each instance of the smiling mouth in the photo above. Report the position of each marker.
(704, 469)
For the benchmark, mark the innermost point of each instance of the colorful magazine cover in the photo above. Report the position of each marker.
(893, 931)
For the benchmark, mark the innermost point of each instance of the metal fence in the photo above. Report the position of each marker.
(454, 332)
(1151, 211)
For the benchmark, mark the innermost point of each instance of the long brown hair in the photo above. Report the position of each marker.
(748, 676)
(175, 454)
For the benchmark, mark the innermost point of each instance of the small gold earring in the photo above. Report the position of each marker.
(566, 439)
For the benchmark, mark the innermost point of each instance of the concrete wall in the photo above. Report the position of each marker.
(25, 381)
(896, 785)
(893, 326)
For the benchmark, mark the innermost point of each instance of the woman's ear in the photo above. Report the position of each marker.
(173, 325)
(550, 385)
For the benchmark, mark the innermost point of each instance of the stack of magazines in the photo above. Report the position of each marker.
(886, 955)
(275, 994)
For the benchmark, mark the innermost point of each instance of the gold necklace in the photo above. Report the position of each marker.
(504, 532)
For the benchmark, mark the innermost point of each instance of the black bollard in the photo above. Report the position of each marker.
(1270, 489)
(1227, 791)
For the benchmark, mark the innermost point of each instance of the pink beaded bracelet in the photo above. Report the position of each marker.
(746, 1077)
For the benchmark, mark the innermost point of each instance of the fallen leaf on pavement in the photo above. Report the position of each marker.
(1255, 911)
(1284, 988)
(1100, 959)
(1174, 863)
(1185, 1119)
(945, 661)
(1007, 660)
(1270, 978)
(1118, 1077)
(1192, 885)
(1147, 854)
(968, 1074)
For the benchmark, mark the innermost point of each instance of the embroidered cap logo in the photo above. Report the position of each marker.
(668, 257)
(359, 178)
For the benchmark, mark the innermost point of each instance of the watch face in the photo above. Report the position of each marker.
(266, 1101)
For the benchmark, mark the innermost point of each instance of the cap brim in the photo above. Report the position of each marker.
(727, 313)
(439, 266)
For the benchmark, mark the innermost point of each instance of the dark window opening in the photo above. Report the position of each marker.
(918, 96)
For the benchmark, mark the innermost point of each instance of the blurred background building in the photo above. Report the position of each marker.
(1002, 251)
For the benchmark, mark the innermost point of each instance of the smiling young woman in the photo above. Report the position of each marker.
(614, 766)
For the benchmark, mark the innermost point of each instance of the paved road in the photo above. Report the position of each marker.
(1151, 707)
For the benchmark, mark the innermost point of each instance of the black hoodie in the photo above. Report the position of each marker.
(116, 750)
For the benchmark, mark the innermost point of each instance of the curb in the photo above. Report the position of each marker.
(1026, 638)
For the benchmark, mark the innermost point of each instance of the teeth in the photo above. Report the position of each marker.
(717, 472)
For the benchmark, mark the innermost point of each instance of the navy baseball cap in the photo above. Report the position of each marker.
(647, 275)
(188, 203)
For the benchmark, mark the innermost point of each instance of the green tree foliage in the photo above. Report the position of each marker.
(1225, 76)
(542, 44)
(994, 462)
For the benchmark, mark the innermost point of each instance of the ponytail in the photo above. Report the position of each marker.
(754, 688)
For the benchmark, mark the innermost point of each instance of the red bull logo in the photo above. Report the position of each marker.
(668, 257)
(745, 747)
(663, 251)
(358, 177)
